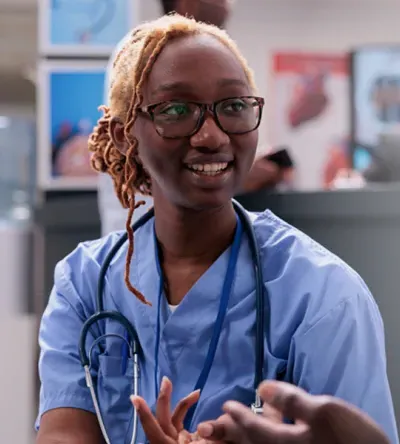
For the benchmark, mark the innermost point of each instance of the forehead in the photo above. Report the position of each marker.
(200, 65)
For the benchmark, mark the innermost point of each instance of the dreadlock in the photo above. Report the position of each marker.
(130, 70)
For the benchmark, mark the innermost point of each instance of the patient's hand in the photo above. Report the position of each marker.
(164, 427)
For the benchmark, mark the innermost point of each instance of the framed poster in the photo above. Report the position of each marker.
(375, 103)
(69, 94)
(84, 27)
(310, 98)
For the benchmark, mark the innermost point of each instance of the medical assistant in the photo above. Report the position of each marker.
(326, 333)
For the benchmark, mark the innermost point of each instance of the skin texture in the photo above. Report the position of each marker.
(318, 419)
(69, 426)
(164, 427)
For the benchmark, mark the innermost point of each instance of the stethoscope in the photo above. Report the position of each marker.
(131, 340)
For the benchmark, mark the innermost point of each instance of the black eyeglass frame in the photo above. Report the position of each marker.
(204, 107)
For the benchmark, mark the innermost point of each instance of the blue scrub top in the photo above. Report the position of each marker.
(326, 333)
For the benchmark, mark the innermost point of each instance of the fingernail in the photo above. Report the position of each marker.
(229, 406)
(135, 402)
(205, 430)
(164, 382)
(268, 392)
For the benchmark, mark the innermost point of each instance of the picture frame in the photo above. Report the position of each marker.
(66, 117)
(84, 28)
(310, 99)
(373, 68)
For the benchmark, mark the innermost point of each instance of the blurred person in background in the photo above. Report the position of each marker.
(264, 173)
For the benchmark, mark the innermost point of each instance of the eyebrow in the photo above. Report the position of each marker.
(174, 86)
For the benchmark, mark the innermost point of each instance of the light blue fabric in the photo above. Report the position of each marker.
(326, 333)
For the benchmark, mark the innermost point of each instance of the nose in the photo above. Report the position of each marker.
(209, 135)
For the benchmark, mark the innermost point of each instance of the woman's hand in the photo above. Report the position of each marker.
(164, 427)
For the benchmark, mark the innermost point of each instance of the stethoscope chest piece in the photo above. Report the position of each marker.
(257, 406)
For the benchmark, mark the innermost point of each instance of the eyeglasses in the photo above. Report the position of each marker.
(176, 119)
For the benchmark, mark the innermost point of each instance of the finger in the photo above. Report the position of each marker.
(151, 428)
(293, 402)
(182, 408)
(272, 413)
(208, 441)
(163, 408)
(307, 410)
(258, 429)
(184, 437)
(222, 429)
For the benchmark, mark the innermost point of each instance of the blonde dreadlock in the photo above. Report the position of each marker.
(130, 70)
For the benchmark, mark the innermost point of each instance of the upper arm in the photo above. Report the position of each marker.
(343, 354)
(69, 426)
(63, 393)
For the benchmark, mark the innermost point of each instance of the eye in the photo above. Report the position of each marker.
(173, 109)
(234, 106)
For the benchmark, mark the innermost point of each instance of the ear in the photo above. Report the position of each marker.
(117, 134)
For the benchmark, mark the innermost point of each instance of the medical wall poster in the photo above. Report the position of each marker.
(84, 27)
(310, 98)
(68, 100)
(375, 99)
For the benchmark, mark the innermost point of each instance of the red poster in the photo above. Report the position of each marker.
(311, 114)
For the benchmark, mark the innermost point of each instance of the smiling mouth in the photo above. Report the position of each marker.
(209, 169)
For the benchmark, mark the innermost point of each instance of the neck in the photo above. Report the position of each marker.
(190, 235)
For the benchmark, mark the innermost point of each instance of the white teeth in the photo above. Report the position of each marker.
(209, 168)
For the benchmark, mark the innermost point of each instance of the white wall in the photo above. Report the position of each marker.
(263, 26)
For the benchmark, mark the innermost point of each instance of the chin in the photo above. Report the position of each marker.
(206, 200)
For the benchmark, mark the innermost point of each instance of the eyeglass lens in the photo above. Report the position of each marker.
(180, 119)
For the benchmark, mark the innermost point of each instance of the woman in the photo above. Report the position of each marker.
(264, 174)
(182, 125)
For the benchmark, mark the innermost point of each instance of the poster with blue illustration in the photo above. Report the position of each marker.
(70, 94)
(375, 102)
(84, 27)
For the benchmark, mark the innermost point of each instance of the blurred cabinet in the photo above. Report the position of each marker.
(65, 219)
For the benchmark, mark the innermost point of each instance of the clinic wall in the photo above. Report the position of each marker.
(263, 26)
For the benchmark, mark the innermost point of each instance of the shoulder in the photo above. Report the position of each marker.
(84, 263)
(81, 267)
(302, 273)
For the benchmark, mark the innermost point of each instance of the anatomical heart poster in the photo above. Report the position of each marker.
(311, 115)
